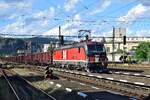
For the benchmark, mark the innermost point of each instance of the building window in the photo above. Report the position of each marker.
(125, 48)
(120, 35)
(115, 47)
(108, 49)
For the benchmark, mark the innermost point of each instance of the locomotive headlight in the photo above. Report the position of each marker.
(88, 59)
(103, 63)
(96, 58)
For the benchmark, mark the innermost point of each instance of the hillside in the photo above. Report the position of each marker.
(9, 46)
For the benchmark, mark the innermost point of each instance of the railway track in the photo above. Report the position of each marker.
(22, 89)
(142, 70)
(126, 87)
(136, 78)
(128, 65)
(131, 74)
(73, 89)
(10, 85)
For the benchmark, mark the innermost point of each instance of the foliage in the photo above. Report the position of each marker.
(119, 51)
(50, 48)
(2, 54)
(143, 51)
(148, 55)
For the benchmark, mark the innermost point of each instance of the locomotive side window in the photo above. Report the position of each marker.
(100, 48)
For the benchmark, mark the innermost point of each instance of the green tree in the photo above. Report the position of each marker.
(143, 51)
(50, 48)
(148, 55)
(119, 51)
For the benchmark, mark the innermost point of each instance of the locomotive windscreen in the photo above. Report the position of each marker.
(95, 48)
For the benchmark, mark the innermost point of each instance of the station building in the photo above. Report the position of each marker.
(131, 43)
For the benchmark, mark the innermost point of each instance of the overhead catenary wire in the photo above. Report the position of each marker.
(118, 9)
(114, 11)
(46, 36)
(103, 21)
(81, 10)
(90, 22)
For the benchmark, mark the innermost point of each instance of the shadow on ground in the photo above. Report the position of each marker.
(104, 95)
(38, 78)
(61, 94)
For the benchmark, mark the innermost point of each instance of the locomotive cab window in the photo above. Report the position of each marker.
(96, 48)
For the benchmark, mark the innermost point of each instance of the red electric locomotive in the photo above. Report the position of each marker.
(87, 55)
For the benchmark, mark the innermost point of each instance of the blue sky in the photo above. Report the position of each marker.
(42, 17)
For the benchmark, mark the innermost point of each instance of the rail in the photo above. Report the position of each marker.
(21, 78)
(126, 87)
(10, 85)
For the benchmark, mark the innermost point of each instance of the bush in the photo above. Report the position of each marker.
(119, 51)
(143, 51)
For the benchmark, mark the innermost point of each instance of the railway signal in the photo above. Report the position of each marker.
(124, 40)
(124, 43)
(48, 73)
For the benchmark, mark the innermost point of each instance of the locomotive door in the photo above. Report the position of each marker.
(64, 54)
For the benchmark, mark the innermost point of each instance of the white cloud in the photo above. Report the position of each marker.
(145, 2)
(70, 4)
(48, 13)
(67, 29)
(71, 28)
(134, 13)
(13, 16)
(21, 28)
(19, 4)
(142, 32)
(44, 16)
(103, 5)
(106, 34)
(13, 28)
(35, 23)
(23, 5)
(4, 5)
(10, 9)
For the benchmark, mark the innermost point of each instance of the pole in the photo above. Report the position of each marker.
(59, 30)
(113, 45)
(123, 50)
(59, 35)
(123, 53)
